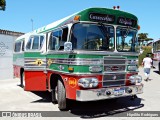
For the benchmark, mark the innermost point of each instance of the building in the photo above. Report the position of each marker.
(7, 39)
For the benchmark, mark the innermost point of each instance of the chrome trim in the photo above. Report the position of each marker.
(93, 94)
(76, 61)
(114, 80)
(75, 73)
(31, 69)
(118, 73)
(94, 53)
(83, 74)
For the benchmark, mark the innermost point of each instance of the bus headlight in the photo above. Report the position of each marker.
(132, 68)
(135, 78)
(132, 62)
(88, 82)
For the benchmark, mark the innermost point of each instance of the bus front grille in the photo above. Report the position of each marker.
(114, 71)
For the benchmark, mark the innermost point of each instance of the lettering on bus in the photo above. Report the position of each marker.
(101, 17)
(126, 21)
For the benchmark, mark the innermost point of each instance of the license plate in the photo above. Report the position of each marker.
(119, 91)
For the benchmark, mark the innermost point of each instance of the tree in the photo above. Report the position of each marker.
(2, 5)
(143, 37)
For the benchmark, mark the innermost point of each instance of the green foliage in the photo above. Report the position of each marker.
(143, 37)
(147, 50)
(2, 4)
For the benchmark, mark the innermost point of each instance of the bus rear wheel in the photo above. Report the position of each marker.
(22, 82)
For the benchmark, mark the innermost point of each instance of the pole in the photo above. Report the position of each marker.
(32, 24)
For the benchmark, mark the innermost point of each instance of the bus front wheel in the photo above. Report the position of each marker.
(61, 96)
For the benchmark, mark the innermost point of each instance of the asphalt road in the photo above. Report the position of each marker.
(14, 98)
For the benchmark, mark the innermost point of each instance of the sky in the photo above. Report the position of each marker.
(19, 14)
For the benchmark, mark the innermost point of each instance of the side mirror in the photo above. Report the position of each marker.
(67, 46)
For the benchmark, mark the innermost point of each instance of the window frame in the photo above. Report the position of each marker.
(21, 48)
(60, 40)
(95, 23)
(32, 40)
(130, 29)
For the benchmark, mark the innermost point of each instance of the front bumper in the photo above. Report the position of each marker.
(103, 93)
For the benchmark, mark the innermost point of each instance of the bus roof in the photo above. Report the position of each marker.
(104, 15)
(26, 35)
(156, 40)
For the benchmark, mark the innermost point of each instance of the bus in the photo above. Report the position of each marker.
(156, 54)
(90, 55)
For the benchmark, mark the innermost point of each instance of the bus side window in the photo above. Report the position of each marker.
(35, 45)
(41, 41)
(29, 43)
(55, 37)
(64, 38)
(52, 43)
(17, 47)
(23, 45)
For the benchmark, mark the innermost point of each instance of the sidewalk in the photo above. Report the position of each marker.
(151, 94)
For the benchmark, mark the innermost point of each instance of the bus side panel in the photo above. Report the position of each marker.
(35, 81)
(16, 70)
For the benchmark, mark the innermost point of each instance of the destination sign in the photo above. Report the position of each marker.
(126, 21)
(101, 17)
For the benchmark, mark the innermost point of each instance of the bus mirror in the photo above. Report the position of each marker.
(67, 46)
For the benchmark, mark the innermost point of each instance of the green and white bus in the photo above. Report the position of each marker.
(88, 56)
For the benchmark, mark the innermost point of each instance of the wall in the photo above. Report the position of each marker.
(6, 55)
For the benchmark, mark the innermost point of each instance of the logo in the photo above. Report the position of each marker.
(114, 68)
(114, 77)
(61, 67)
(6, 114)
(39, 62)
(72, 82)
(49, 62)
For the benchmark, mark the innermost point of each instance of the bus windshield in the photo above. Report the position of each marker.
(126, 40)
(96, 37)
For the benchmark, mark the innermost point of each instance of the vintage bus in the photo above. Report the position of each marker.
(156, 55)
(88, 56)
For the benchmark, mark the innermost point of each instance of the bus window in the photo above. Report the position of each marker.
(35, 43)
(23, 45)
(55, 37)
(92, 37)
(17, 47)
(41, 40)
(126, 39)
(158, 46)
(64, 38)
(29, 43)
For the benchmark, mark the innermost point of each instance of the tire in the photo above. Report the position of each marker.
(61, 96)
(159, 67)
(54, 95)
(22, 82)
(133, 97)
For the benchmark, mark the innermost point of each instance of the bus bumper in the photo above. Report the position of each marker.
(108, 93)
